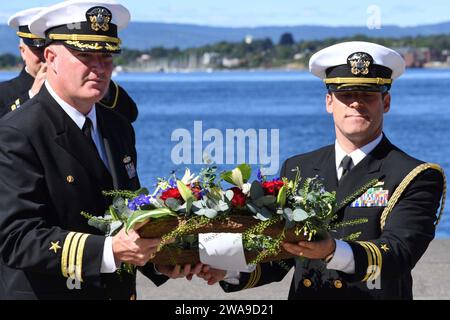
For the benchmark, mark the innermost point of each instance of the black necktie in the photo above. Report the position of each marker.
(87, 131)
(347, 164)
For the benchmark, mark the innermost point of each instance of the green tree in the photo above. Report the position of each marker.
(286, 39)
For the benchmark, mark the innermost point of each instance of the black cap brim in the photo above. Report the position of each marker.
(92, 46)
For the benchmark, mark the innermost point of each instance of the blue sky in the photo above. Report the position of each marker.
(237, 13)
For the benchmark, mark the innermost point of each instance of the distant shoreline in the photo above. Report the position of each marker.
(227, 70)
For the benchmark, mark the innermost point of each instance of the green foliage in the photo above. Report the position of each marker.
(262, 53)
(286, 39)
(9, 60)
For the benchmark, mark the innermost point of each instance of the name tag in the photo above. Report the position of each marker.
(374, 197)
(129, 167)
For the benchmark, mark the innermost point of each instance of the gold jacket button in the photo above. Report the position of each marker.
(133, 297)
(307, 283)
(70, 179)
(338, 284)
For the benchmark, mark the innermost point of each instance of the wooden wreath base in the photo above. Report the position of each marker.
(233, 224)
(177, 256)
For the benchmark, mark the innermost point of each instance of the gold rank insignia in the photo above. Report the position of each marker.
(54, 246)
(100, 18)
(15, 105)
(385, 248)
(360, 63)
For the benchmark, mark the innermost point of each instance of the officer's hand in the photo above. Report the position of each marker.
(131, 248)
(211, 275)
(177, 271)
(39, 79)
(311, 249)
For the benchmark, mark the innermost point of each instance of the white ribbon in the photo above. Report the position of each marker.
(223, 251)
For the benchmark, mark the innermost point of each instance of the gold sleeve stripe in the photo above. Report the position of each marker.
(65, 254)
(405, 183)
(257, 276)
(72, 253)
(254, 277)
(80, 253)
(250, 280)
(371, 260)
(379, 264)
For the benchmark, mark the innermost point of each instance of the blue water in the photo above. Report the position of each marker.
(293, 102)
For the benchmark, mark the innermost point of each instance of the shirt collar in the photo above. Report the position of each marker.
(358, 155)
(73, 113)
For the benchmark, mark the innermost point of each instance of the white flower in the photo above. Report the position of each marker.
(189, 178)
(246, 188)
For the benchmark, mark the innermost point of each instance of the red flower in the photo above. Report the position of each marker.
(239, 197)
(171, 193)
(272, 187)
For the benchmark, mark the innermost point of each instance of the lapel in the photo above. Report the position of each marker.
(71, 139)
(325, 168)
(370, 168)
(25, 81)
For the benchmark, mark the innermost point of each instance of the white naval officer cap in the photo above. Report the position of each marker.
(21, 20)
(357, 66)
(83, 25)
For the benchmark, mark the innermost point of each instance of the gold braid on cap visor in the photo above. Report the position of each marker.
(83, 37)
(28, 35)
(377, 81)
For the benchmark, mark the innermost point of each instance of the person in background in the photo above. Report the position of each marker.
(15, 92)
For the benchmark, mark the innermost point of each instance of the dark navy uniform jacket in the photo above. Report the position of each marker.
(386, 248)
(49, 174)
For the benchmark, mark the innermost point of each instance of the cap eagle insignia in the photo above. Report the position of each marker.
(100, 18)
(359, 63)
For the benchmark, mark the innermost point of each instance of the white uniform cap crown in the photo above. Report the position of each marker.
(24, 17)
(73, 11)
(338, 54)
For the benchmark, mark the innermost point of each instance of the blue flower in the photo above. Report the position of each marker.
(139, 201)
(260, 177)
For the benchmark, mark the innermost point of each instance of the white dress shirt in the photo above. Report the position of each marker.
(108, 261)
(343, 259)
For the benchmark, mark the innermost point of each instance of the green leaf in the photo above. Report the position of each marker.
(113, 213)
(143, 191)
(256, 190)
(185, 192)
(215, 193)
(238, 176)
(281, 198)
(173, 204)
(268, 200)
(140, 216)
(246, 171)
(300, 215)
(227, 177)
(189, 203)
